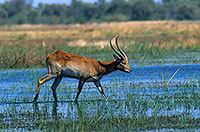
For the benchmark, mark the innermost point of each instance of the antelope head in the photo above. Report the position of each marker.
(120, 57)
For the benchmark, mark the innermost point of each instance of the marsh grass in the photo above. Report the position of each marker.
(139, 113)
(28, 45)
(137, 102)
(132, 105)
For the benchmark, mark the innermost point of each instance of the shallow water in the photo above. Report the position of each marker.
(141, 80)
(143, 92)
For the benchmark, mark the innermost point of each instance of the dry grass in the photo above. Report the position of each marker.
(87, 34)
(151, 37)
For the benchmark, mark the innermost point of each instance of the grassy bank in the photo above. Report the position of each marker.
(28, 45)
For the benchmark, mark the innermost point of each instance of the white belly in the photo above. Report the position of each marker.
(74, 73)
(67, 72)
(92, 79)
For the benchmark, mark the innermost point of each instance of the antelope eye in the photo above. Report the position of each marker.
(123, 63)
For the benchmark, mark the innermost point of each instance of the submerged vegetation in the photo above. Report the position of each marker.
(136, 102)
(144, 100)
(28, 45)
(102, 117)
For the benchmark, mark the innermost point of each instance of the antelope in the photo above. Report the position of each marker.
(61, 64)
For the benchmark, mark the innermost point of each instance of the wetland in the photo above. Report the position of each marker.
(162, 93)
(140, 100)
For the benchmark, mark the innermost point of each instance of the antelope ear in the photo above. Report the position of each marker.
(116, 57)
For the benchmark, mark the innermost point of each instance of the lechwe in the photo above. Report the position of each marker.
(61, 64)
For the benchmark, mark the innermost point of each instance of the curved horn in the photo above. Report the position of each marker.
(120, 50)
(117, 52)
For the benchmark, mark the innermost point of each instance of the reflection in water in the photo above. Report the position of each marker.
(54, 111)
(79, 110)
(149, 107)
(57, 111)
(152, 111)
(139, 96)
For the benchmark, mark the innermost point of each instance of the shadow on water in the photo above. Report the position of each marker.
(137, 101)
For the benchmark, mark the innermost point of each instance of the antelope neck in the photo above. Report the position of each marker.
(108, 66)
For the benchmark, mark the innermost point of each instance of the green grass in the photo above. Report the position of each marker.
(27, 46)
(140, 53)
(129, 115)
(125, 111)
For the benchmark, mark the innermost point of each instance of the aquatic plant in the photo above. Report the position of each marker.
(136, 102)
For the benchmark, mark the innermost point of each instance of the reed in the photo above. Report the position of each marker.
(27, 45)
(133, 105)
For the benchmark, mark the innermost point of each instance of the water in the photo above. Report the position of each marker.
(19, 82)
(143, 93)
